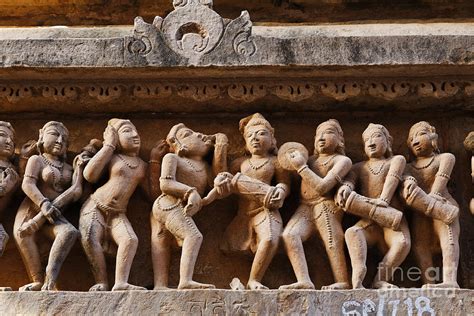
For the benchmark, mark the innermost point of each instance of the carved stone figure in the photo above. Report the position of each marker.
(47, 178)
(469, 145)
(317, 212)
(436, 218)
(103, 217)
(382, 224)
(8, 177)
(185, 176)
(258, 224)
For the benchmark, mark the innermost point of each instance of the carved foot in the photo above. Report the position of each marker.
(99, 287)
(444, 285)
(337, 286)
(194, 285)
(382, 285)
(35, 286)
(298, 286)
(5, 289)
(255, 285)
(127, 287)
(161, 288)
(49, 286)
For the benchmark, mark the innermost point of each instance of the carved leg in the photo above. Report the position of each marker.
(92, 228)
(330, 229)
(65, 235)
(29, 251)
(160, 253)
(299, 229)
(398, 248)
(184, 228)
(449, 242)
(358, 237)
(127, 241)
(422, 239)
(268, 228)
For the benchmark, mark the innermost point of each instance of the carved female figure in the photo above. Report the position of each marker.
(382, 224)
(47, 176)
(258, 226)
(103, 215)
(185, 176)
(317, 211)
(436, 218)
(9, 178)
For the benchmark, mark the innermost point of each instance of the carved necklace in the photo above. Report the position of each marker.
(191, 164)
(57, 183)
(127, 163)
(376, 173)
(425, 166)
(259, 166)
(324, 164)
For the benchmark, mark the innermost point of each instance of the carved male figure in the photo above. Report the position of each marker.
(9, 178)
(185, 176)
(103, 216)
(435, 223)
(317, 211)
(382, 224)
(258, 225)
(47, 176)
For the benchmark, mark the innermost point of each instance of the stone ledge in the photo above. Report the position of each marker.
(317, 46)
(227, 302)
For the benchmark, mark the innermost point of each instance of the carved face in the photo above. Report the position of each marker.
(326, 139)
(128, 138)
(421, 143)
(258, 140)
(196, 144)
(7, 145)
(54, 141)
(375, 143)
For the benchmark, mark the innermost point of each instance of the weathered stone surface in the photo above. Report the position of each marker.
(316, 46)
(226, 302)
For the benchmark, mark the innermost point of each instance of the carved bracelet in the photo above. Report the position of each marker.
(302, 168)
(443, 175)
(188, 192)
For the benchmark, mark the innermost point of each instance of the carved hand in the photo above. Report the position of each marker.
(297, 160)
(221, 139)
(50, 212)
(342, 195)
(408, 187)
(379, 202)
(28, 149)
(160, 149)
(277, 199)
(110, 136)
(193, 204)
(223, 184)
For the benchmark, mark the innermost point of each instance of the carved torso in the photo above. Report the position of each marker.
(320, 166)
(193, 173)
(53, 181)
(123, 180)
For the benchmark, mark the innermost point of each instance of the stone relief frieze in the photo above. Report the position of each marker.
(242, 90)
(193, 30)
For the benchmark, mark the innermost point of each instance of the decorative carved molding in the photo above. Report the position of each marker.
(193, 30)
(243, 90)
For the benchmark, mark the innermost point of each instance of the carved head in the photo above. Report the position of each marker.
(183, 141)
(259, 135)
(329, 138)
(377, 141)
(469, 142)
(7, 139)
(422, 139)
(128, 138)
(53, 139)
